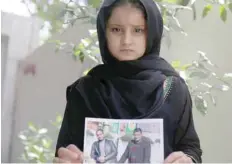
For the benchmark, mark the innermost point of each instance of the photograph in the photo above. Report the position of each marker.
(123, 141)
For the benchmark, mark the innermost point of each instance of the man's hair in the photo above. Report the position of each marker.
(100, 130)
(138, 130)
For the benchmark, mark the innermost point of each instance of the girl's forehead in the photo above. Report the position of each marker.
(127, 8)
(127, 15)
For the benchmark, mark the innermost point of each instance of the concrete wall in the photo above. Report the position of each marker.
(20, 36)
(40, 97)
(4, 52)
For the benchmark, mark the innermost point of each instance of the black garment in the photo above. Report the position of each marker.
(110, 151)
(137, 152)
(132, 89)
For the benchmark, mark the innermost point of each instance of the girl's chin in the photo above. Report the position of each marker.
(127, 58)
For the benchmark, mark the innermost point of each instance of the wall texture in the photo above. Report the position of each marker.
(20, 36)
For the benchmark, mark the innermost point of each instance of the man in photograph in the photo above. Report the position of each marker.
(103, 150)
(138, 150)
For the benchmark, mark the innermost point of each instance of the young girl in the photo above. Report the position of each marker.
(133, 83)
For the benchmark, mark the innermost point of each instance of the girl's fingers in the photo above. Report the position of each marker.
(79, 153)
(173, 157)
(67, 155)
(59, 160)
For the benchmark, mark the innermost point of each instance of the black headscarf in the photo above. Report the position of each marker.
(127, 89)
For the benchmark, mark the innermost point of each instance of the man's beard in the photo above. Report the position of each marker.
(100, 139)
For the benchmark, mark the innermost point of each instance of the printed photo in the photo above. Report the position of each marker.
(123, 141)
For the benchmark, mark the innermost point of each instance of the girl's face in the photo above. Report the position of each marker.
(126, 33)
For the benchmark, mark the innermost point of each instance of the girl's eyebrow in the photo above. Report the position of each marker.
(122, 25)
(114, 25)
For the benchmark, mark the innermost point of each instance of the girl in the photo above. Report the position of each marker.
(133, 83)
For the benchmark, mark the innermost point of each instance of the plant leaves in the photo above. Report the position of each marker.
(192, 2)
(178, 2)
(81, 46)
(43, 131)
(225, 87)
(94, 3)
(199, 74)
(38, 148)
(172, 1)
(77, 52)
(186, 2)
(164, 15)
(183, 75)
(93, 32)
(86, 42)
(81, 56)
(230, 7)
(176, 64)
(59, 118)
(86, 72)
(201, 104)
(206, 10)
(223, 13)
(23, 157)
(175, 25)
(227, 75)
(221, 1)
(194, 11)
(206, 85)
(22, 137)
(33, 155)
(32, 127)
(205, 58)
(46, 143)
(213, 99)
(185, 67)
(221, 87)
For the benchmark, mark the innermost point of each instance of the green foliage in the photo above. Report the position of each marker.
(38, 143)
(223, 13)
(94, 3)
(230, 7)
(224, 6)
(206, 10)
(203, 81)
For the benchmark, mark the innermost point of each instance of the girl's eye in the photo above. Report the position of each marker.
(139, 30)
(115, 29)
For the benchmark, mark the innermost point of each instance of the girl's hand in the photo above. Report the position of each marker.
(178, 157)
(70, 154)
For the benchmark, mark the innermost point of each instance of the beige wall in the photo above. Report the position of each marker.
(20, 37)
(39, 98)
(4, 51)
